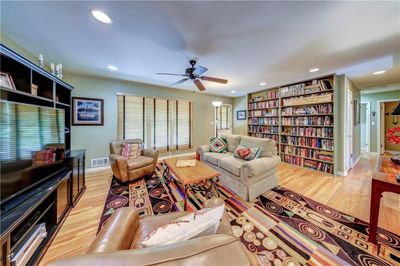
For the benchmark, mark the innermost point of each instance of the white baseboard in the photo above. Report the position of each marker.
(345, 173)
(356, 161)
(106, 167)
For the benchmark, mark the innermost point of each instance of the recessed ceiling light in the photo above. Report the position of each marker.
(314, 69)
(379, 72)
(233, 91)
(113, 68)
(101, 16)
(263, 83)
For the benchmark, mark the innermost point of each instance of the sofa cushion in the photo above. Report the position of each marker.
(218, 145)
(246, 153)
(232, 141)
(231, 164)
(267, 145)
(212, 157)
(138, 162)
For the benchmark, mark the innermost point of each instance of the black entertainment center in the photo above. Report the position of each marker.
(41, 177)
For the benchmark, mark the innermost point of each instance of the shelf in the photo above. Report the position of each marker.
(314, 148)
(263, 116)
(307, 136)
(308, 93)
(322, 161)
(253, 109)
(27, 94)
(305, 126)
(265, 133)
(273, 99)
(331, 114)
(265, 125)
(64, 104)
(308, 104)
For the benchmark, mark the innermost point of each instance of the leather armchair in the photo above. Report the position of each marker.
(130, 169)
(119, 243)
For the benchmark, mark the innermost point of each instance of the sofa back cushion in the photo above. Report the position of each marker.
(267, 145)
(232, 141)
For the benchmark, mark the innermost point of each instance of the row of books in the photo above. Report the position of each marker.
(292, 90)
(265, 136)
(273, 121)
(326, 132)
(264, 129)
(269, 95)
(264, 104)
(315, 165)
(258, 113)
(306, 110)
(308, 121)
(326, 144)
(326, 156)
(308, 100)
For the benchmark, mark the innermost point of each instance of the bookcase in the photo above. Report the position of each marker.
(300, 118)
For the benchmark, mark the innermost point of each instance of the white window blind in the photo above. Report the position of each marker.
(163, 124)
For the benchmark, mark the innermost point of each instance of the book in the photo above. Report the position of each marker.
(185, 163)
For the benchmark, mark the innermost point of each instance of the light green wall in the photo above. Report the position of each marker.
(239, 126)
(373, 99)
(95, 139)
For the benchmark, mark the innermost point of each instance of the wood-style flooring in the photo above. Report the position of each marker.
(350, 194)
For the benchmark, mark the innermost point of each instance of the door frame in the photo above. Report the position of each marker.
(368, 126)
(378, 115)
(348, 142)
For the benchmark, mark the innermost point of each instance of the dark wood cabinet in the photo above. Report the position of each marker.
(78, 174)
(63, 199)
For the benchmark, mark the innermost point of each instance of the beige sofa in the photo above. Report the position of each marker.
(248, 179)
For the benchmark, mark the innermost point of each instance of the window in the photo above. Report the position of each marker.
(163, 124)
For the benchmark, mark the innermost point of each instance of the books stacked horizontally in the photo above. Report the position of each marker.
(307, 110)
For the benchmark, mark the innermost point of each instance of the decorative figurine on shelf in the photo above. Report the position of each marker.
(41, 60)
(59, 70)
(52, 70)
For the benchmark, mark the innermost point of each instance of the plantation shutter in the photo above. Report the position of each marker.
(163, 124)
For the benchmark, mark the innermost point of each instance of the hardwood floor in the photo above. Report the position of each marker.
(349, 194)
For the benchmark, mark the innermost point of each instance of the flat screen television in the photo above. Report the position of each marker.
(32, 145)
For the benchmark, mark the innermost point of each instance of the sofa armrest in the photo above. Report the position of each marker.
(113, 157)
(202, 149)
(259, 166)
(117, 233)
(205, 250)
(152, 154)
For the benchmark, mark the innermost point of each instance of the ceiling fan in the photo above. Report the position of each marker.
(195, 74)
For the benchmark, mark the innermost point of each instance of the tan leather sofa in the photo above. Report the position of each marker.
(130, 169)
(119, 243)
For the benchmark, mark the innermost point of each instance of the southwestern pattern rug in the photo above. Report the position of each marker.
(281, 227)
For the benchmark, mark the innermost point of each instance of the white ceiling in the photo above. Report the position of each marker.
(244, 42)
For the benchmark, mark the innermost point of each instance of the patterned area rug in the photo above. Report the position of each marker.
(281, 227)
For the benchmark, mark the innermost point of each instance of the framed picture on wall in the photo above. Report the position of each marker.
(241, 115)
(87, 111)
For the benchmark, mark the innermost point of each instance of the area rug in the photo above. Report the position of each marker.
(281, 227)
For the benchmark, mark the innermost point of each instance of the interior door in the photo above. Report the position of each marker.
(349, 130)
(382, 128)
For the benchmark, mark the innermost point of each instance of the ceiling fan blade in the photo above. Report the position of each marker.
(178, 82)
(199, 70)
(171, 74)
(223, 81)
(199, 85)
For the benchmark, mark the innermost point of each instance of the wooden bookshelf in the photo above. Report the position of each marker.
(300, 118)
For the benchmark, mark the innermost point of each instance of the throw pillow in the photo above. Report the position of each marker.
(194, 224)
(131, 151)
(218, 145)
(246, 153)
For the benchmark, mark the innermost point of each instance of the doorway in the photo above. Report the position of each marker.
(387, 121)
(223, 119)
(365, 118)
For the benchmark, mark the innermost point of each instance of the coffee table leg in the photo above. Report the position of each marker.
(376, 195)
(185, 198)
(167, 175)
(214, 185)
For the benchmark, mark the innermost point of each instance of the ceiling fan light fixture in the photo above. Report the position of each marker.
(216, 103)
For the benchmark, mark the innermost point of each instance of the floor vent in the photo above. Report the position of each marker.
(99, 162)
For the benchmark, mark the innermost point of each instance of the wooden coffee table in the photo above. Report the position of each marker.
(188, 177)
(384, 180)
